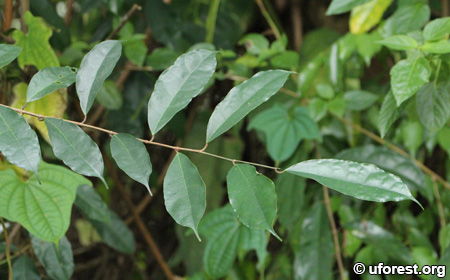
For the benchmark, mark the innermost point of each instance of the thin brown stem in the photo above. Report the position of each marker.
(439, 204)
(69, 12)
(297, 26)
(8, 14)
(124, 20)
(269, 20)
(24, 7)
(8, 250)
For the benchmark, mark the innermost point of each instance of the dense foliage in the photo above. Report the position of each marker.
(223, 110)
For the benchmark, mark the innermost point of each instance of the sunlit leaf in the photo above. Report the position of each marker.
(8, 53)
(409, 18)
(433, 105)
(49, 80)
(399, 42)
(176, 86)
(437, 29)
(440, 47)
(242, 99)
(366, 16)
(184, 192)
(342, 6)
(95, 67)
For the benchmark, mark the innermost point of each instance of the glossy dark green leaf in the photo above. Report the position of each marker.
(290, 196)
(253, 197)
(184, 192)
(407, 76)
(437, 29)
(314, 258)
(57, 261)
(75, 148)
(242, 99)
(8, 53)
(389, 161)
(132, 157)
(284, 131)
(389, 113)
(342, 6)
(25, 269)
(176, 86)
(359, 100)
(433, 105)
(440, 47)
(115, 234)
(49, 80)
(42, 208)
(91, 204)
(409, 18)
(18, 142)
(95, 67)
(399, 42)
(363, 181)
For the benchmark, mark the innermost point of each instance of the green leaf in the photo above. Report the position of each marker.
(109, 96)
(388, 114)
(440, 47)
(36, 49)
(433, 105)
(409, 18)
(443, 138)
(176, 86)
(359, 100)
(399, 42)
(132, 157)
(407, 76)
(389, 161)
(95, 67)
(18, 142)
(314, 258)
(443, 263)
(75, 148)
(115, 234)
(91, 204)
(24, 269)
(437, 29)
(412, 136)
(135, 50)
(184, 193)
(49, 80)
(362, 181)
(342, 6)
(42, 208)
(254, 239)
(161, 58)
(8, 53)
(253, 197)
(255, 43)
(242, 99)
(57, 261)
(325, 91)
(366, 16)
(284, 131)
(290, 197)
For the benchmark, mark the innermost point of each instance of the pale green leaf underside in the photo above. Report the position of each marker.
(75, 148)
(184, 192)
(8, 53)
(95, 67)
(132, 157)
(43, 209)
(242, 99)
(18, 142)
(253, 197)
(176, 86)
(49, 80)
(362, 181)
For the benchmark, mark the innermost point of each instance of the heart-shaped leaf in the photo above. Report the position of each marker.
(75, 148)
(184, 192)
(49, 80)
(8, 53)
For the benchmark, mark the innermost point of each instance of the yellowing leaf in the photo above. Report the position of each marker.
(52, 105)
(36, 49)
(366, 16)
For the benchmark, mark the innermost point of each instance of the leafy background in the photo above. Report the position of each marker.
(363, 69)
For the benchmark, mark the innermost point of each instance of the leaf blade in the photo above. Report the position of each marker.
(49, 80)
(8, 53)
(433, 105)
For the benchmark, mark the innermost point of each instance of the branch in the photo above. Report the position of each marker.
(124, 20)
(8, 251)
(8, 14)
(69, 11)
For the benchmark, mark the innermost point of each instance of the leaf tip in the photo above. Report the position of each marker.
(272, 231)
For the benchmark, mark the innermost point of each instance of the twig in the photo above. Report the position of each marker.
(69, 10)
(8, 251)
(297, 26)
(142, 228)
(396, 149)
(8, 14)
(439, 204)
(24, 7)
(124, 20)
(269, 20)
(211, 20)
(445, 8)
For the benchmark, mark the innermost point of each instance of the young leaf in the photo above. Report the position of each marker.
(253, 197)
(49, 80)
(366, 16)
(433, 105)
(242, 99)
(75, 148)
(342, 6)
(42, 208)
(132, 157)
(91, 204)
(8, 53)
(437, 29)
(57, 261)
(95, 67)
(25, 269)
(410, 18)
(18, 142)
(399, 42)
(440, 47)
(176, 86)
(184, 193)
(407, 76)
(359, 100)
(388, 114)
(363, 181)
